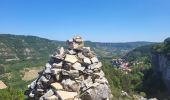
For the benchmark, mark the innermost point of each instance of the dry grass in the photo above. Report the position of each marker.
(30, 74)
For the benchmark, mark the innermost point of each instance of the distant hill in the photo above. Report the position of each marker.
(139, 53)
(147, 50)
(120, 49)
(20, 47)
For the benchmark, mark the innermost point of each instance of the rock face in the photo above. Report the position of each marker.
(71, 74)
(161, 65)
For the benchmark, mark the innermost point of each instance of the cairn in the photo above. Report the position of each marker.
(71, 74)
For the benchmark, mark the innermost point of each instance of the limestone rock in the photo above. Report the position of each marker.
(57, 65)
(87, 61)
(78, 66)
(72, 73)
(71, 58)
(98, 93)
(53, 97)
(47, 94)
(57, 86)
(67, 95)
(55, 71)
(94, 60)
(96, 65)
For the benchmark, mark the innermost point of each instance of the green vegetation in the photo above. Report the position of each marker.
(163, 48)
(11, 94)
(141, 81)
(142, 53)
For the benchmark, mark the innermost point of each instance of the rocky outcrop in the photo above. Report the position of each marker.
(161, 65)
(71, 74)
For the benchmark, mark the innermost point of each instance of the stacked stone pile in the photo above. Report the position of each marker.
(71, 74)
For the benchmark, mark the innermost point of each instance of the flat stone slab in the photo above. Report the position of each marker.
(67, 95)
(71, 58)
(57, 86)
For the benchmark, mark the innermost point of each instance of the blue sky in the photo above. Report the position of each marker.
(95, 20)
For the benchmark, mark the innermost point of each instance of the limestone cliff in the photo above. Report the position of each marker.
(161, 65)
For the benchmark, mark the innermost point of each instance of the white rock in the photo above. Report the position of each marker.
(48, 65)
(67, 95)
(75, 45)
(47, 70)
(31, 95)
(100, 92)
(80, 55)
(47, 94)
(40, 90)
(87, 60)
(70, 85)
(57, 65)
(77, 66)
(71, 52)
(58, 77)
(94, 60)
(32, 85)
(67, 82)
(78, 39)
(57, 86)
(123, 93)
(55, 71)
(100, 74)
(53, 97)
(96, 65)
(61, 51)
(43, 79)
(74, 73)
(71, 73)
(70, 58)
